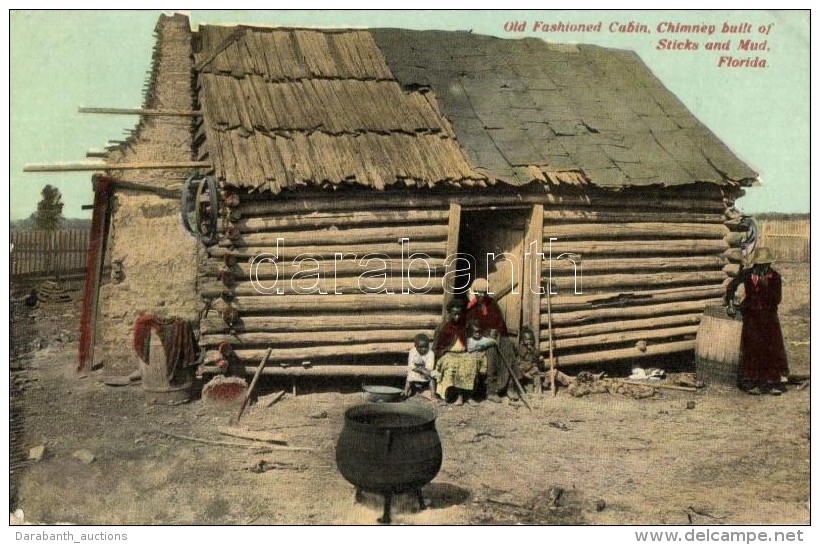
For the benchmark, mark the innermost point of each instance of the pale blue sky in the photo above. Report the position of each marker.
(62, 60)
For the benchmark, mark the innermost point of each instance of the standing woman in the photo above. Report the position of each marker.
(762, 351)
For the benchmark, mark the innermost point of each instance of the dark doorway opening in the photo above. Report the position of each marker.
(494, 243)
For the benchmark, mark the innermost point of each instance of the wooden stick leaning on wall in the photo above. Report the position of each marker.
(549, 330)
(253, 384)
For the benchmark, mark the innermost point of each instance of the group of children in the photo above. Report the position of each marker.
(422, 374)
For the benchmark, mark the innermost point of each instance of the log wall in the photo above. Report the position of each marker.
(644, 276)
(338, 291)
(642, 281)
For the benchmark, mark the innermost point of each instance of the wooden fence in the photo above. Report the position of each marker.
(788, 239)
(53, 253)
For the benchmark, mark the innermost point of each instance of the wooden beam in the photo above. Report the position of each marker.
(385, 371)
(596, 315)
(621, 298)
(532, 269)
(332, 285)
(453, 233)
(621, 337)
(613, 281)
(636, 247)
(298, 338)
(593, 358)
(213, 323)
(623, 325)
(138, 111)
(300, 354)
(353, 303)
(348, 219)
(347, 266)
(78, 167)
(634, 230)
(636, 264)
(260, 204)
(345, 236)
(328, 251)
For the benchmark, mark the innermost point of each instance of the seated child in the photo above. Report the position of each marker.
(476, 342)
(420, 368)
(529, 358)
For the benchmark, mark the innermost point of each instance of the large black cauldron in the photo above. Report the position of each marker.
(388, 449)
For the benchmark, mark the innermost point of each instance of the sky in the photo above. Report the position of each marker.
(60, 60)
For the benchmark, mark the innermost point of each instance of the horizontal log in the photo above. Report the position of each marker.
(581, 317)
(327, 268)
(354, 304)
(138, 111)
(607, 356)
(301, 338)
(731, 269)
(327, 237)
(634, 264)
(397, 249)
(733, 255)
(621, 298)
(653, 230)
(329, 285)
(553, 216)
(298, 355)
(316, 219)
(212, 323)
(637, 280)
(293, 202)
(634, 247)
(622, 325)
(381, 371)
(78, 167)
(620, 337)
(734, 239)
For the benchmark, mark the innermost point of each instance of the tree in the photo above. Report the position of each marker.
(49, 215)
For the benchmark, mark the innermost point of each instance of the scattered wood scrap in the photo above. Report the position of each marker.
(259, 435)
(254, 445)
(270, 399)
(656, 384)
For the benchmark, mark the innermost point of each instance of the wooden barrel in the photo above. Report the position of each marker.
(717, 346)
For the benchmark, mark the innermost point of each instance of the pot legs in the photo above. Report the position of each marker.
(388, 499)
(386, 517)
(422, 505)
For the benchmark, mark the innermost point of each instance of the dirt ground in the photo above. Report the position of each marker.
(726, 458)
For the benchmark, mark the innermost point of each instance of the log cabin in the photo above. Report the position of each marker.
(362, 177)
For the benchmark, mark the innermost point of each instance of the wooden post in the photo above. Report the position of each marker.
(532, 270)
(138, 111)
(78, 167)
(94, 266)
(453, 230)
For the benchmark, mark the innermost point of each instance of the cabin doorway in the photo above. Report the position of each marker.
(494, 240)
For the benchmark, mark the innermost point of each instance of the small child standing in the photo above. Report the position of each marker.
(420, 368)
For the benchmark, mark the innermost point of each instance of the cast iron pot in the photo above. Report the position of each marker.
(389, 448)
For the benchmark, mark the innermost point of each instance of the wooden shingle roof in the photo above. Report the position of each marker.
(289, 107)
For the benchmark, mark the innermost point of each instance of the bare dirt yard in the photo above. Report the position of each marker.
(715, 456)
